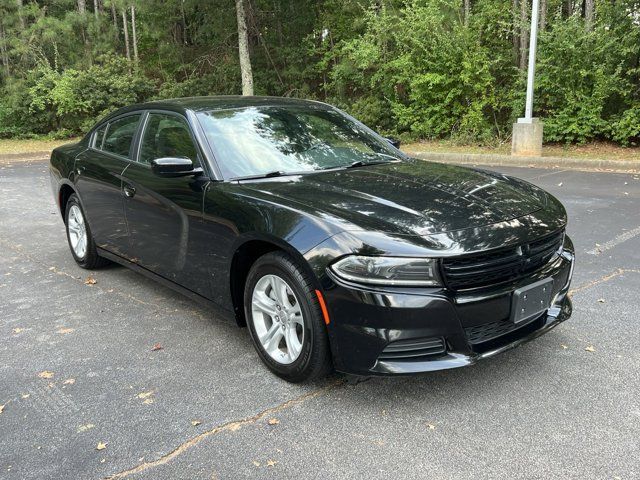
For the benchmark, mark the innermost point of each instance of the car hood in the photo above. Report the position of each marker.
(408, 197)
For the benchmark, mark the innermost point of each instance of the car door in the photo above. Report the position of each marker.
(99, 180)
(164, 215)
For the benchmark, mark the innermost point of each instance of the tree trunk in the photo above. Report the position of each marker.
(516, 29)
(114, 16)
(20, 17)
(467, 12)
(542, 24)
(524, 33)
(588, 14)
(185, 30)
(96, 8)
(134, 36)
(82, 7)
(567, 8)
(3, 51)
(243, 49)
(125, 28)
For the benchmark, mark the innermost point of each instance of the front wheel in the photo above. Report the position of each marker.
(285, 319)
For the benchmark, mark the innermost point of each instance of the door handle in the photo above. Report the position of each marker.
(129, 191)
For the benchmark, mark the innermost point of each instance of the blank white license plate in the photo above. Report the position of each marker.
(531, 301)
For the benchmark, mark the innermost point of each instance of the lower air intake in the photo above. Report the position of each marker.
(411, 349)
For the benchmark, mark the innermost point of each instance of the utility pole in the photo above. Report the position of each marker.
(527, 132)
(533, 43)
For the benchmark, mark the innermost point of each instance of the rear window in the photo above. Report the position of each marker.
(120, 134)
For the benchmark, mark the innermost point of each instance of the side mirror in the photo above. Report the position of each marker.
(394, 142)
(174, 167)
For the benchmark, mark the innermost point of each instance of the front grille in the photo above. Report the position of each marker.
(502, 265)
(493, 330)
(410, 349)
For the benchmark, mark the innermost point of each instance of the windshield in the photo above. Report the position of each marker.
(259, 140)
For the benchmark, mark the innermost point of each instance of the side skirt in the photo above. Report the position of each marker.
(226, 315)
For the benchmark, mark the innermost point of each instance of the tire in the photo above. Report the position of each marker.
(313, 358)
(86, 257)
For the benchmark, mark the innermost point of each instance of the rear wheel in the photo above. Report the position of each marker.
(285, 320)
(81, 243)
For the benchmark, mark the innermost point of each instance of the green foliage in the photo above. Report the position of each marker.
(582, 94)
(412, 68)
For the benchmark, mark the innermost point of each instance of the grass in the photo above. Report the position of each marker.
(31, 145)
(599, 150)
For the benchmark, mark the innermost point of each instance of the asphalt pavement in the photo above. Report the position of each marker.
(124, 378)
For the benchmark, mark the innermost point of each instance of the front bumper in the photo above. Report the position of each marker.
(406, 331)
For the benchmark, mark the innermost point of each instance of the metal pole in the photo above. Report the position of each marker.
(533, 40)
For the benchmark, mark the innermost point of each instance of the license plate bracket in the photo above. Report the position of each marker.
(531, 301)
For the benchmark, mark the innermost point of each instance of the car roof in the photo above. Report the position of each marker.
(220, 102)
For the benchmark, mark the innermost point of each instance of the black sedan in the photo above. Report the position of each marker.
(334, 248)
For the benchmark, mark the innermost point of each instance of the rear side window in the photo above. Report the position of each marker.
(99, 137)
(120, 135)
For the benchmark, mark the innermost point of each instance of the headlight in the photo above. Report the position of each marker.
(395, 271)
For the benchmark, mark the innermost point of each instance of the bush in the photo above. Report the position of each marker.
(71, 100)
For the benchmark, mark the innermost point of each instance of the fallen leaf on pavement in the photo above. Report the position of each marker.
(101, 446)
(601, 300)
(563, 346)
(431, 426)
(25, 395)
(257, 464)
(273, 421)
(46, 374)
(84, 428)
(69, 381)
(157, 346)
(271, 463)
(195, 423)
(64, 331)
(146, 394)
(560, 184)
(2, 407)
(90, 281)
(18, 330)
(590, 348)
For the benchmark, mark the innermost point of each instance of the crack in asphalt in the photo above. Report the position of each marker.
(230, 426)
(603, 279)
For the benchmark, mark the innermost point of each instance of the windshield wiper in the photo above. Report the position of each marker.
(360, 163)
(275, 173)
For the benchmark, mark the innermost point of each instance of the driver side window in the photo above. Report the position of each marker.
(166, 136)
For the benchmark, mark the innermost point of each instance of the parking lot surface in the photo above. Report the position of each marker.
(124, 378)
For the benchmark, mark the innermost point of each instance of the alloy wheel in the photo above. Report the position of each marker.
(77, 231)
(277, 319)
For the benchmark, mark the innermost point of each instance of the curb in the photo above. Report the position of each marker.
(587, 164)
(41, 155)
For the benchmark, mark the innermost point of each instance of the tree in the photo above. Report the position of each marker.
(133, 34)
(588, 14)
(243, 50)
(125, 28)
(467, 12)
(524, 33)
